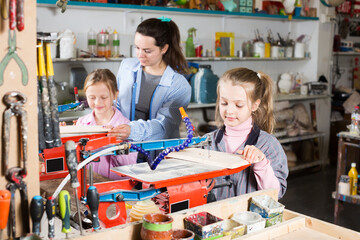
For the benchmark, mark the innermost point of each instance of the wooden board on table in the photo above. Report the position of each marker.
(73, 130)
(209, 157)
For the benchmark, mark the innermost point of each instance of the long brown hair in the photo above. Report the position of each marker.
(257, 85)
(104, 76)
(166, 32)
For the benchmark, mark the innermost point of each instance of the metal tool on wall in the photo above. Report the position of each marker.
(53, 97)
(16, 15)
(41, 130)
(15, 175)
(48, 128)
(4, 10)
(13, 55)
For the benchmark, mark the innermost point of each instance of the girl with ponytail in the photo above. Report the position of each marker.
(244, 108)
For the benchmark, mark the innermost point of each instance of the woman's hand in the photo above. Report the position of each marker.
(122, 131)
(252, 154)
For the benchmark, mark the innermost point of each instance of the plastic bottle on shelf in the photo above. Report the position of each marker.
(190, 47)
(353, 174)
(107, 39)
(355, 120)
(101, 44)
(91, 42)
(203, 85)
(115, 44)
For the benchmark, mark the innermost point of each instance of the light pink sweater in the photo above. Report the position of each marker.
(234, 138)
(106, 162)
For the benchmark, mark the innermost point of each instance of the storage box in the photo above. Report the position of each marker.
(266, 206)
(273, 220)
(252, 221)
(204, 225)
(233, 228)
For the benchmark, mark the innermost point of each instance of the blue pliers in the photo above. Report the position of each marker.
(13, 55)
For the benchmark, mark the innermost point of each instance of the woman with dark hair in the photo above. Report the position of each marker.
(151, 86)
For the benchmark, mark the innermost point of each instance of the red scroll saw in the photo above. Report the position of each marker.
(182, 180)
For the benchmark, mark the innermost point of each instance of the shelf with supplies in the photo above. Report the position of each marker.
(172, 10)
(215, 59)
(306, 165)
(84, 60)
(354, 199)
(345, 141)
(189, 59)
(346, 54)
(277, 98)
(298, 97)
(284, 140)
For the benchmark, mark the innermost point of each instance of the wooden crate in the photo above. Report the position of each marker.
(294, 226)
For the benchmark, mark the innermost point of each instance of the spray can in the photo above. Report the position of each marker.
(91, 42)
(115, 44)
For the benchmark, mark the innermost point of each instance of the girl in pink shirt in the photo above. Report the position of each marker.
(245, 108)
(101, 91)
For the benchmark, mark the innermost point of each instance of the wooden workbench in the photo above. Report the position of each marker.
(295, 225)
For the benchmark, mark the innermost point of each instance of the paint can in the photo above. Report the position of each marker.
(156, 226)
(275, 51)
(259, 49)
(299, 50)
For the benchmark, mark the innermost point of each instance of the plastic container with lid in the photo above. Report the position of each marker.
(355, 120)
(344, 185)
(67, 44)
(203, 85)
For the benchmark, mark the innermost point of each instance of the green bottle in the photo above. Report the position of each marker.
(190, 48)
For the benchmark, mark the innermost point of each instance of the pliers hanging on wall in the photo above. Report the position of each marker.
(15, 175)
(13, 55)
(16, 16)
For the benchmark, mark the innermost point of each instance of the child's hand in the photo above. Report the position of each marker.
(252, 154)
(122, 131)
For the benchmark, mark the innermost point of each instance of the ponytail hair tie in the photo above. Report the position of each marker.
(164, 19)
(258, 74)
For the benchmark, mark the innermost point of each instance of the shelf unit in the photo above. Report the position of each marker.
(301, 137)
(355, 199)
(190, 59)
(142, 8)
(345, 140)
(346, 53)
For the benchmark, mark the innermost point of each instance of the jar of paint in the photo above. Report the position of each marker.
(344, 185)
(156, 226)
